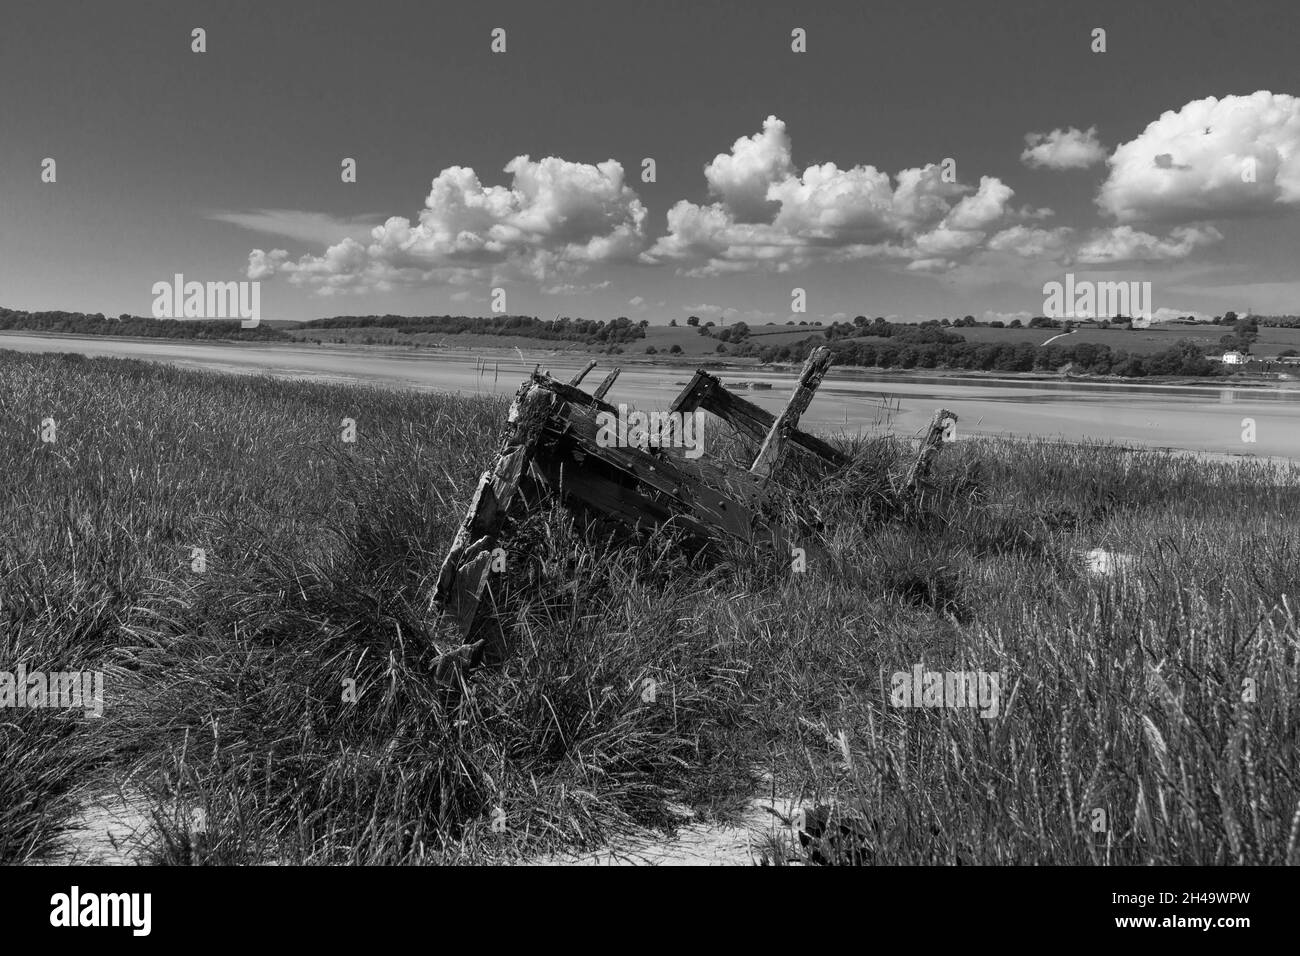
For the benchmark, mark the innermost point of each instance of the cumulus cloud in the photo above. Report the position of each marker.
(1213, 158)
(767, 214)
(1032, 242)
(555, 217)
(741, 178)
(1063, 149)
(1126, 244)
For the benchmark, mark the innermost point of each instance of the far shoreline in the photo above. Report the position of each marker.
(662, 360)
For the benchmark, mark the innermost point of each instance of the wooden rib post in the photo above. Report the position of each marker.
(774, 444)
(577, 379)
(930, 445)
(604, 386)
(464, 573)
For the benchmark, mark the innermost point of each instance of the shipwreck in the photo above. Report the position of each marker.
(556, 443)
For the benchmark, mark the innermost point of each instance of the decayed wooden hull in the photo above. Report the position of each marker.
(551, 445)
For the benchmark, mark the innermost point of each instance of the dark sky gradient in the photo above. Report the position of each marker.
(151, 140)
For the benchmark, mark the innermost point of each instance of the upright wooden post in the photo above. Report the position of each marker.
(577, 379)
(464, 573)
(603, 387)
(774, 444)
(930, 445)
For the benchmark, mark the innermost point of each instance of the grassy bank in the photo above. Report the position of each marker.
(280, 689)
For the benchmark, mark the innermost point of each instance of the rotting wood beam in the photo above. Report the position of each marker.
(814, 370)
(577, 379)
(718, 497)
(464, 573)
(604, 386)
(930, 445)
(705, 391)
(571, 393)
(695, 392)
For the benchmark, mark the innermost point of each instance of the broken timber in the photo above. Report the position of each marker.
(704, 391)
(552, 444)
(931, 442)
(814, 370)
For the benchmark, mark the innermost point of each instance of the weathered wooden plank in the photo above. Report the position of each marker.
(577, 379)
(604, 386)
(810, 377)
(744, 416)
(764, 419)
(571, 393)
(706, 392)
(723, 498)
(694, 393)
(464, 573)
(930, 445)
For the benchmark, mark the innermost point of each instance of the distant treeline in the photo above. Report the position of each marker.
(929, 346)
(564, 329)
(586, 331)
(81, 323)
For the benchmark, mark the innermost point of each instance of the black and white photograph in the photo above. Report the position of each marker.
(621, 434)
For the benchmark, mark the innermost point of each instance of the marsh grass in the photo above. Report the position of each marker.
(283, 696)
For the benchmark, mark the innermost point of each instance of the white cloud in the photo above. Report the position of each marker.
(768, 215)
(1124, 243)
(1213, 158)
(1063, 149)
(314, 227)
(740, 179)
(556, 217)
(1031, 242)
(263, 265)
(574, 288)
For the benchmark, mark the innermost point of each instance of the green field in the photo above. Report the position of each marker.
(1125, 693)
(692, 344)
(661, 338)
(1271, 341)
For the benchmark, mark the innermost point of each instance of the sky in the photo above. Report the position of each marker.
(914, 160)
